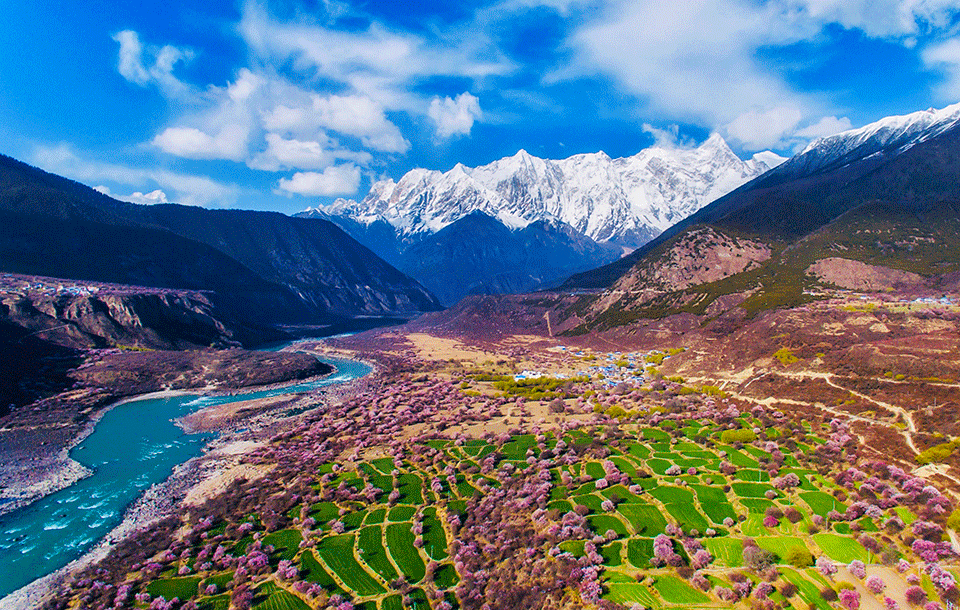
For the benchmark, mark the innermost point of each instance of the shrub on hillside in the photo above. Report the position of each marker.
(799, 557)
(743, 435)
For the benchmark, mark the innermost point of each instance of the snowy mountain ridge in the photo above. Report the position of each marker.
(625, 201)
(893, 134)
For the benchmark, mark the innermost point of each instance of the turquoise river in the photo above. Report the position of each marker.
(135, 445)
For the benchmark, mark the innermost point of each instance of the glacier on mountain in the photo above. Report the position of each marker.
(625, 201)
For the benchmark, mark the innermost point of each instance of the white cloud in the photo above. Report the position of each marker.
(191, 143)
(691, 61)
(666, 138)
(454, 117)
(187, 189)
(291, 153)
(373, 62)
(151, 198)
(334, 180)
(697, 61)
(757, 130)
(827, 126)
(260, 118)
(945, 57)
(354, 115)
(131, 64)
(224, 129)
(879, 18)
(362, 117)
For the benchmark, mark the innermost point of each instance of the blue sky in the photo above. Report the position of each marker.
(283, 105)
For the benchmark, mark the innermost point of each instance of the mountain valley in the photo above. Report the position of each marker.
(756, 408)
(597, 208)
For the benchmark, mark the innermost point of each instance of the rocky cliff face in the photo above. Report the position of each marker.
(150, 320)
(700, 256)
(260, 268)
(855, 275)
(49, 326)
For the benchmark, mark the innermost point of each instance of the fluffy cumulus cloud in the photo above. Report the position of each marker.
(454, 116)
(223, 130)
(273, 124)
(353, 115)
(188, 189)
(275, 119)
(328, 104)
(151, 198)
(290, 153)
(901, 19)
(692, 61)
(332, 181)
(375, 62)
(764, 129)
(697, 61)
(827, 126)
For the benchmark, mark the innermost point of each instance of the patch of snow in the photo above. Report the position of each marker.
(626, 201)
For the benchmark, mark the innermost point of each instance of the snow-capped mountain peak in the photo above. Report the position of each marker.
(894, 134)
(626, 201)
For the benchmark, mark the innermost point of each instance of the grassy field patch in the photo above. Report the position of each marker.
(601, 523)
(687, 516)
(727, 552)
(821, 503)
(779, 545)
(280, 600)
(168, 588)
(808, 591)
(400, 544)
(611, 554)
(645, 519)
(640, 552)
(714, 503)
(841, 548)
(285, 543)
(410, 488)
(313, 571)
(632, 593)
(752, 490)
(217, 602)
(446, 576)
(371, 551)
(675, 591)
(401, 513)
(434, 538)
(337, 553)
(669, 494)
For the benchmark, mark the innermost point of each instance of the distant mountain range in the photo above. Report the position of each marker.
(879, 206)
(262, 268)
(545, 219)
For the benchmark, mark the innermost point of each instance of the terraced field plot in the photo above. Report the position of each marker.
(385, 534)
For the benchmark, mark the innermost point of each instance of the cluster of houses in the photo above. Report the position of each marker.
(945, 301)
(11, 283)
(610, 368)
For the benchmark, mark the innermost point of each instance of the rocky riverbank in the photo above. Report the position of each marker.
(35, 440)
(242, 431)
